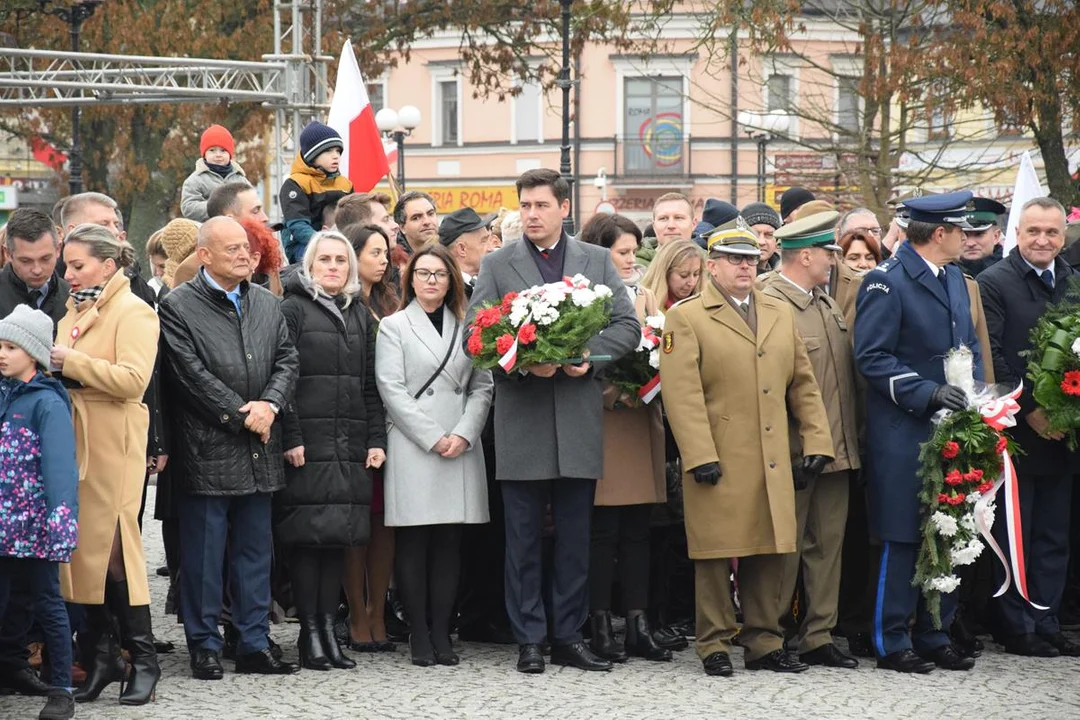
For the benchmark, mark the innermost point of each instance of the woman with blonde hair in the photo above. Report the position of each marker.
(105, 350)
(335, 434)
(675, 273)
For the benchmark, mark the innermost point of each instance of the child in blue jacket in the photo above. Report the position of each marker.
(39, 488)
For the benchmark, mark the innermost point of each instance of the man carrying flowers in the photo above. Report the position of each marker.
(911, 310)
(548, 425)
(1016, 293)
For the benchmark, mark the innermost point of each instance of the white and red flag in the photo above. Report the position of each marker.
(364, 159)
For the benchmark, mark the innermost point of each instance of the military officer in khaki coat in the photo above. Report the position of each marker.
(732, 365)
(821, 504)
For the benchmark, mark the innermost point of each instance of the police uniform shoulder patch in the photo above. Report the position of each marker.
(887, 265)
(669, 341)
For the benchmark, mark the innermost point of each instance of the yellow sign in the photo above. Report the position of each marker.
(483, 199)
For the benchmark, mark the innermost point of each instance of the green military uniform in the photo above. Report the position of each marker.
(820, 508)
(732, 372)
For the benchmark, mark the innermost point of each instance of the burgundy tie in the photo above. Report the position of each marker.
(545, 254)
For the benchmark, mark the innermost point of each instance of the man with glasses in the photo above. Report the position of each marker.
(731, 426)
(911, 311)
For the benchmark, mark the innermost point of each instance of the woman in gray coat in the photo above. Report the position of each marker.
(436, 405)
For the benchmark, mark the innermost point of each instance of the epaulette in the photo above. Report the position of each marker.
(680, 302)
(888, 265)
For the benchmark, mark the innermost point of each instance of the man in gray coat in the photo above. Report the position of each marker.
(548, 432)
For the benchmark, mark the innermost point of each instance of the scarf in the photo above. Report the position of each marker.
(222, 170)
(91, 294)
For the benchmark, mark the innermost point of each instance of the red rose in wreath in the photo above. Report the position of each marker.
(527, 333)
(503, 343)
(476, 342)
(1071, 384)
(950, 450)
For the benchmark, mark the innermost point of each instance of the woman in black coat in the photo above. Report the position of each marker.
(334, 433)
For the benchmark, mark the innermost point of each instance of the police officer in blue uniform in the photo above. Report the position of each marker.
(911, 310)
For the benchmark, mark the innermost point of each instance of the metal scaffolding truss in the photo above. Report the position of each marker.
(292, 81)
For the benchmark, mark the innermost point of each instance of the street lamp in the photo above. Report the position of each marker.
(398, 124)
(74, 15)
(565, 83)
(763, 127)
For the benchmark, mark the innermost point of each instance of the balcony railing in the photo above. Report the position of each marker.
(660, 157)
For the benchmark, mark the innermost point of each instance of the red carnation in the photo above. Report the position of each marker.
(975, 475)
(503, 343)
(527, 333)
(956, 499)
(942, 498)
(476, 342)
(954, 477)
(488, 317)
(507, 300)
(1002, 443)
(950, 450)
(985, 488)
(1071, 384)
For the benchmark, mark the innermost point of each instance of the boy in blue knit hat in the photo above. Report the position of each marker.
(314, 184)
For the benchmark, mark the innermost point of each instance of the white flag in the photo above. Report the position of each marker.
(1027, 188)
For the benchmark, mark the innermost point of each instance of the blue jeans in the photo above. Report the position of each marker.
(40, 581)
(207, 526)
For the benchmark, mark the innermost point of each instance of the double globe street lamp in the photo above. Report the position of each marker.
(398, 124)
(764, 127)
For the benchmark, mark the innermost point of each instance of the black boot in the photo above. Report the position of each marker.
(100, 655)
(137, 636)
(603, 641)
(331, 646)
(640, 642)
(310, 644)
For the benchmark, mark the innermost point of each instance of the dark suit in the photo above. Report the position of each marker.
(1014, 299)
(905, 323)
(549, 445)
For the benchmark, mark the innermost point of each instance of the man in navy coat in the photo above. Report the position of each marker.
(911, 310)
(1015, 294)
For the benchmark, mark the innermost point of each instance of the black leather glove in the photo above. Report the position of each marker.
(948, 397)
(707, 473)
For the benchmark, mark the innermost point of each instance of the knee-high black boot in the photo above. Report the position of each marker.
(100, 655)
(137, 636)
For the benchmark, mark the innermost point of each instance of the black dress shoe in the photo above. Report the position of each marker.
(718, 664)
(263, 662)
(59, 706)
(670, 639)
(639, 640)
(26, 682)
(530, 659)
(947, 658)
(1064, 645)
(205, 665)
(859, 645)
(777, 661)
(905, 661)
(830, 656)
(578, 655)
(163, 571)
(603, 641)
(163, 647)
(1029, 645)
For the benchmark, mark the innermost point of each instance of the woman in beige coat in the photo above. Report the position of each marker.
(633, 478)
(105, 350)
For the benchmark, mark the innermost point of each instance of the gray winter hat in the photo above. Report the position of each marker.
(30, 329)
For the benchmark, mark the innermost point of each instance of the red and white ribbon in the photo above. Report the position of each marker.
(1000, 414)
(509, 358)
(650, 390)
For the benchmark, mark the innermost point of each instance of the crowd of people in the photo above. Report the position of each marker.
(325, 449)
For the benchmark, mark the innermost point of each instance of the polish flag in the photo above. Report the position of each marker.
(364, 160)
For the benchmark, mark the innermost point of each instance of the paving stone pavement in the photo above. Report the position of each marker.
(485, 685)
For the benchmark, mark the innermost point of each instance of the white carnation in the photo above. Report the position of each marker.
(946, 525)
(545, 315)
(602, 291)
(580, 280)
(944, 583)
(1076, 347)
(583, 297)
(656, 322)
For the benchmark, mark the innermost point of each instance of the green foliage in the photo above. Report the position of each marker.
(1051, 357)
(631, 372)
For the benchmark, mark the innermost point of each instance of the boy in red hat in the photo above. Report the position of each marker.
(215, 167)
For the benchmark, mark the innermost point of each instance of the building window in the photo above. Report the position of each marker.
(847, 104)
(448, 112)
(376, 93)
(654, 135)
(939, 115)
(778, 89)
(1009, 123)
(528, 113)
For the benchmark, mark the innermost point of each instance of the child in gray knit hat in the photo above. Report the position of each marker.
(39, 487)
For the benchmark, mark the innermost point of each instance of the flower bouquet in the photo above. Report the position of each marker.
(637, 374)
(1054, 365)
(549, 323)
(963, 463)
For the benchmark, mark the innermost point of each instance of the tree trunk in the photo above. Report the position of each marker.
(1047, 127)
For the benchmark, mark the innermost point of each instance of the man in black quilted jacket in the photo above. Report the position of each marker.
(227, 347)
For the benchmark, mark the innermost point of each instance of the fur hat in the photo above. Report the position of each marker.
(30, 329)
(217, 136)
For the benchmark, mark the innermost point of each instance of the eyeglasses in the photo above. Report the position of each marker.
(739, 259)
(872, 230)
(427, 275)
